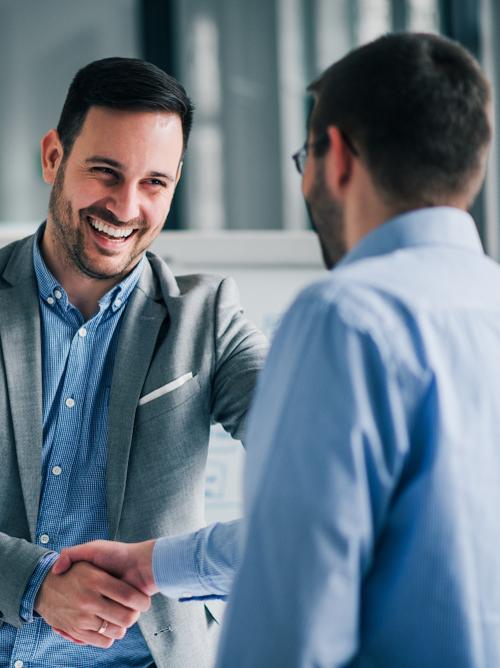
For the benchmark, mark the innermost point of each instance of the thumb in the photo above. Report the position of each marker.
(62, 564)
(70, 555)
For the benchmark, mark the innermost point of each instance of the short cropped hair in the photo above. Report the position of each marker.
(416, 107)
(125, 84)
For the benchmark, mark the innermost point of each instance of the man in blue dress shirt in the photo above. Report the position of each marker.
(373, 474)
(373, 477)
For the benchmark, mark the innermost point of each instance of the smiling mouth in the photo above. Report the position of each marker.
(116, 233)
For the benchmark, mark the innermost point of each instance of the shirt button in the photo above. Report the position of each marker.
(18, 664)
(56, 470)
(57, 294)
(82, 332)
(118, 302)
(44, 539)
(50, 300)
(70, 402)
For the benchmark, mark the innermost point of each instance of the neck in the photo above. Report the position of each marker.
(83, 291)
(364, 210)
(363, 217)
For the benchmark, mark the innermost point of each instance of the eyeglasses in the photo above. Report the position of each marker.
(300, 157)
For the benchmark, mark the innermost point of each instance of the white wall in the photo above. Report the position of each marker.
(42, 45)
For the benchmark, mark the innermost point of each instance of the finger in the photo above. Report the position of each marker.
(83, 552)
(123, 593)
(115, 613)
(82, 637)
(97, 639)
(70, 555)
(66, 636)
(62, 564)
(112, 630)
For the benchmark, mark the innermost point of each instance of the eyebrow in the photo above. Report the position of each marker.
(101, 159)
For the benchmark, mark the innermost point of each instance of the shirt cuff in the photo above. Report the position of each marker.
(26, 611)
(198, 565)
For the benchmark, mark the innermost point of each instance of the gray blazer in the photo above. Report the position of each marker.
(156, 451)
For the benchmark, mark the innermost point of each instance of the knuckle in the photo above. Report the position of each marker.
(87, 602)
(128, 597)
(120, 633)
(73, 631)
(130, 618)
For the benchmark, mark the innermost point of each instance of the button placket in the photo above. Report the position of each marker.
(50, 521)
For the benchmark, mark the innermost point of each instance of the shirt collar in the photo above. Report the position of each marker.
(440, 225)
(49, 288)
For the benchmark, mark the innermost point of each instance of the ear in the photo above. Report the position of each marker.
(340, 159)
(52, 154)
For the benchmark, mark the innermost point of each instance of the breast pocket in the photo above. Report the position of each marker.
(166, 398)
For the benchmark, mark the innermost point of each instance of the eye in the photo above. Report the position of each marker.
(105, 171)
(157, 183)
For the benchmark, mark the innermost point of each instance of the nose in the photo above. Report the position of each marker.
(125, 203)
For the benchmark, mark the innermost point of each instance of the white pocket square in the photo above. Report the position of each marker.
(165, 389)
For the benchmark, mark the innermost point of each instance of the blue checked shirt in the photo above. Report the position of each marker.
(78, 360)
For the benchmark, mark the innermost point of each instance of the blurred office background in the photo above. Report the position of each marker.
(245, 63)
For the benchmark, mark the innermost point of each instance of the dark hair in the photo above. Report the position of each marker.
(416, 107)
(123, 84)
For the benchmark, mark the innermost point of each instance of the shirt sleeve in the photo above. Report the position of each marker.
(198, 565)
(28, 601)
(326, 439)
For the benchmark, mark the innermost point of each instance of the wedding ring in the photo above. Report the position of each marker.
(103, 627)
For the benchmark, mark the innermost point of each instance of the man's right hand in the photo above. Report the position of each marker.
(77, 603)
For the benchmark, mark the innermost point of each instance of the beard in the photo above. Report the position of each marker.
(69, 237)
(327, 219)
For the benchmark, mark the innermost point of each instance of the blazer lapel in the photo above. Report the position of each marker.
(142, 320)
(20, 341)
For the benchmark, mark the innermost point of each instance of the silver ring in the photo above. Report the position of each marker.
(102, 629)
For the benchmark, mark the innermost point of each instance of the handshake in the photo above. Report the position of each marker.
(96, 591)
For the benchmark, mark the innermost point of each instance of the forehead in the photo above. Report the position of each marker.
(130, 137)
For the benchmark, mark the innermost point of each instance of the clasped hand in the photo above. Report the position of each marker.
(96, 591)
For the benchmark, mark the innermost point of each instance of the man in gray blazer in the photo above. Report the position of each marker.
(112, 371)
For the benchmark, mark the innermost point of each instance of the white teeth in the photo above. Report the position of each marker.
(111, 231)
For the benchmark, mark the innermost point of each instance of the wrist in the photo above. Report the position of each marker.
(145, 566)
(33, 592)
(39, 599)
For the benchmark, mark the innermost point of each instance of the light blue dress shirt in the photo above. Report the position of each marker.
(373, 466)
(200, 565)
(77, 359)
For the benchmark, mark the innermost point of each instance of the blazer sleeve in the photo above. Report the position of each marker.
(240, 351)
(18, 560)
